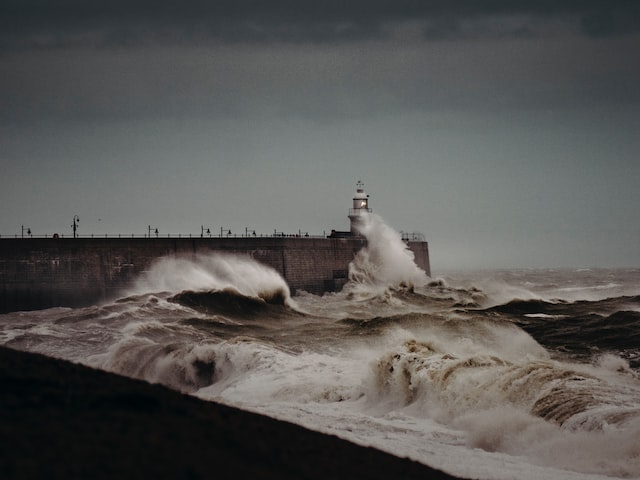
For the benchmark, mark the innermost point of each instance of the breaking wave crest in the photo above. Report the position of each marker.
(215, 272)
(180, 365)
(584, 418)
(451, 383)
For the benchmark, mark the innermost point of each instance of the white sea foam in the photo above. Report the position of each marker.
(215, 271)
(437, 397)
(385, 262)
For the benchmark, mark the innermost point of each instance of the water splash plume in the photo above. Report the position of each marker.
(385, 262)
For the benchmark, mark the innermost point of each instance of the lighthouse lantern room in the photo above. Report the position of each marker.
(360, 207)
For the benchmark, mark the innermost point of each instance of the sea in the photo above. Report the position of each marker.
(493, 374)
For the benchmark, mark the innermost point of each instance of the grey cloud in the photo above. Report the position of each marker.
(322, 82)
(41, 23)
(610, 21)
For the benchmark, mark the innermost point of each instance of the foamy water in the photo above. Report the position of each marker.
(496, 375)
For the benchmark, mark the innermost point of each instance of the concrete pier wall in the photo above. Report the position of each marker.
(45, 272)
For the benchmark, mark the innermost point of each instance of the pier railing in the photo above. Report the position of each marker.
(168, 235)
(412, 236)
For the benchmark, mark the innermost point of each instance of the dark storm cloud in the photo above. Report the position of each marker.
(43, 23)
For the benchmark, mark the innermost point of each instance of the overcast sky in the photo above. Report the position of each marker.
(507, 132)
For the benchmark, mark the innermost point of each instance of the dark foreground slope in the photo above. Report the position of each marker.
(62, 420)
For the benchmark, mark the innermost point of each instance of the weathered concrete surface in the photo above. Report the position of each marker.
(45, 272)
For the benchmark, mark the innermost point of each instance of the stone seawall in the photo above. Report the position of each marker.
(46, 272)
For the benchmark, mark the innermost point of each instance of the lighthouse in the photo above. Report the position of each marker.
(360, 207)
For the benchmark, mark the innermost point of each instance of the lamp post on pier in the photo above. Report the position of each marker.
(27, 229)
(248, 230)
(74, 225)
(226, 231)
(202, 231)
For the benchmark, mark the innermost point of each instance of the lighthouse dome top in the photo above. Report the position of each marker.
(360, 193)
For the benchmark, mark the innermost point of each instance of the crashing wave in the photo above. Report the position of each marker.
(384, 263)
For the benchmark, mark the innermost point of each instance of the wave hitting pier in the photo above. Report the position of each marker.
(45, 272)
(72, 272)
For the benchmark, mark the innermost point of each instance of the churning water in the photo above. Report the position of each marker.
(497, 375)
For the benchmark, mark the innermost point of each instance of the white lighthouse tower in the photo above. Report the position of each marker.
(360, 207)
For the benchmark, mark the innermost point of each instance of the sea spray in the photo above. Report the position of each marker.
(385, 262)
(214, 272)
